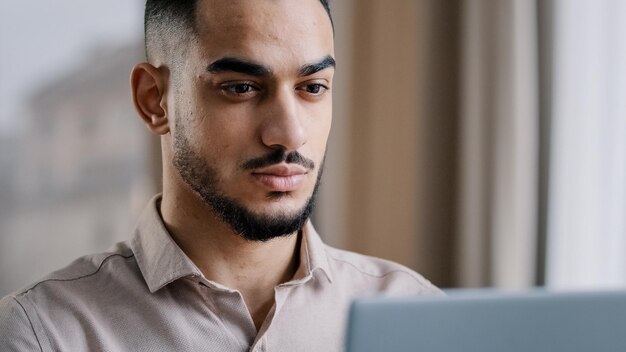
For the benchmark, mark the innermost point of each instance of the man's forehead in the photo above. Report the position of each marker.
(271, 18)
(274, 33)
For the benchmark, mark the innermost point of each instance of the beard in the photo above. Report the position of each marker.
(203, 179)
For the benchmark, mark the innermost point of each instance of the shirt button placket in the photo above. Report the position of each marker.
(260, 347)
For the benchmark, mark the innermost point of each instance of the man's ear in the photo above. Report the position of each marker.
(148, 85)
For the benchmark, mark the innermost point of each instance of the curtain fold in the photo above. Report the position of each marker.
(498, 182)
(587, 199)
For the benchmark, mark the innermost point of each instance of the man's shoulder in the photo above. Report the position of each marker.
(84, 271)
(51, 300)
(381, 275)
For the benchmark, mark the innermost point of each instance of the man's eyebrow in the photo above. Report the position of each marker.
(232, 64)
(310, 69)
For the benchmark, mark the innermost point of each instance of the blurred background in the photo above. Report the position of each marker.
(479, 142)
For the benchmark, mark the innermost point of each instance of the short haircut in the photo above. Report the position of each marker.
(169, 23)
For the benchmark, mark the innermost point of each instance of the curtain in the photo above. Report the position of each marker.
(498, 176)
(587, 198)
(389, 177)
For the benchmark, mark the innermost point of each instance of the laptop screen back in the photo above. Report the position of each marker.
(487, 321)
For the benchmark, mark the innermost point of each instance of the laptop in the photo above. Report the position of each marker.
(490, 321)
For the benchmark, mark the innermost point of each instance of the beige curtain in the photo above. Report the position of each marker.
(499, 138)
(432, 158)
(389, 187)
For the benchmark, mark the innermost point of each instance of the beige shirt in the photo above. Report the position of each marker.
(146, 295)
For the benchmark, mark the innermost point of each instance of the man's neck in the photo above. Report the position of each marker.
(252, 268)
(222, 255)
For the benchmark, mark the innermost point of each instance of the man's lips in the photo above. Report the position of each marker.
(281, 177)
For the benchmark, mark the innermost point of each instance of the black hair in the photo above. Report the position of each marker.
(175, 21)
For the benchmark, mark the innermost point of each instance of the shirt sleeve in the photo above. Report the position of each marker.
(16, 330)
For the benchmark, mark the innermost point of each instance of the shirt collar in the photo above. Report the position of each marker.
(161, 261)
(313, 256)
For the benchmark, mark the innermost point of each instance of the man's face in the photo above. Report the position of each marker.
(252, 111)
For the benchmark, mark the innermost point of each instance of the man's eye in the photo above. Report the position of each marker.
(315, 88)
(239, 88)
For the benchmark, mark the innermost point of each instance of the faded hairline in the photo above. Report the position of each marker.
(168, 33)
(167, 37)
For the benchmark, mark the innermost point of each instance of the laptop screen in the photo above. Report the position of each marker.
(488, 321)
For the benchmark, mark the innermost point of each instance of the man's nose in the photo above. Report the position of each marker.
(284, 126)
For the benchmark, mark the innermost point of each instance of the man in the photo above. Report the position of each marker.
(225, 259)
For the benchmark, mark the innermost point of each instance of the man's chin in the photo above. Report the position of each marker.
(276, 206)
(265, 228)
(262, 221)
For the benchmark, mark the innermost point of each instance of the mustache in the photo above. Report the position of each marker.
(276, 157)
